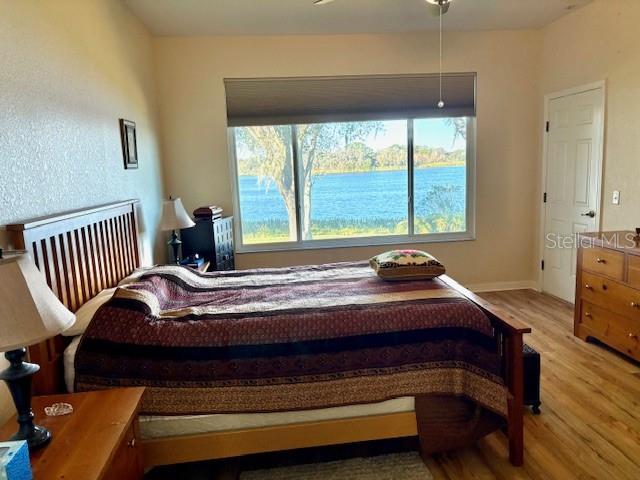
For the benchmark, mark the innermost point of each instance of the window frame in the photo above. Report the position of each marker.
(410, 238)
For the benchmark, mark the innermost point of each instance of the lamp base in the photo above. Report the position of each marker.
(175, 243)
(18, 377)
(38, 437)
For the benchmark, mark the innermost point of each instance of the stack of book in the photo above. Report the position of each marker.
(194, 261)
(208, 213)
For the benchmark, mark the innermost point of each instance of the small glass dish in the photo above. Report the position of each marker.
(58, 409)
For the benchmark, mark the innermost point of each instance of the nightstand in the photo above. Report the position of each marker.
(98, 441)
(212, 240)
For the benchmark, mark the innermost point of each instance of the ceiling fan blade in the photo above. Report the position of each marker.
(322, 2)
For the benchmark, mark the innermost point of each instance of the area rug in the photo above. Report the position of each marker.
(398, 466)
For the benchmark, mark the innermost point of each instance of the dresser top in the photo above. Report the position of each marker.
(623, 240)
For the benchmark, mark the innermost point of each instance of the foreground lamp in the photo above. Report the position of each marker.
(174, 217)
(29, 314)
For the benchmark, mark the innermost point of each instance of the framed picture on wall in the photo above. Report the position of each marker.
(129, 143)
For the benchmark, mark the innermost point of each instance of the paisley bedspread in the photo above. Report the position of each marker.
(287, 339)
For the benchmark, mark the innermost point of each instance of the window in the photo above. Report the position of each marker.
(313, 185)
(439, 175)
(353, 179)
(266, 185)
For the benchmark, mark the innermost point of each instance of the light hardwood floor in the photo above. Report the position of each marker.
(590, 421)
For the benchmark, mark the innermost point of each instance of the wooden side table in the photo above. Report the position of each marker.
(98, 441)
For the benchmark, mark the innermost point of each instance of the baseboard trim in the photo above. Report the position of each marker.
(497, 286)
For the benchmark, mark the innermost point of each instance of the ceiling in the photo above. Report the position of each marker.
(281, 17)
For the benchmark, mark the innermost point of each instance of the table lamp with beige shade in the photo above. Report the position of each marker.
(174, 217)
(29, 314)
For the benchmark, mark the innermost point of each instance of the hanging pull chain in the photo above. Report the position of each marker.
(440, 102)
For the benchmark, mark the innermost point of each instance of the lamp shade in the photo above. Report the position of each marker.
(29, 311)
(174, 216)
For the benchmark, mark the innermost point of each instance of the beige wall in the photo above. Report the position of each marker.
(602, 42)
(69, 70)
(190, 74)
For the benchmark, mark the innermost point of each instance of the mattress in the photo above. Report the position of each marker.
(156, 426)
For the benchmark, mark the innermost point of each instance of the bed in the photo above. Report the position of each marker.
(83, 252)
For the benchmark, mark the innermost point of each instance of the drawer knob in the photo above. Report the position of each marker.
(633, 336)
(132, 442)
(600, 260)
(587, 314)
(635, 305)
(588, 287)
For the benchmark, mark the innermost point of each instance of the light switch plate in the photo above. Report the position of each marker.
(615, 198)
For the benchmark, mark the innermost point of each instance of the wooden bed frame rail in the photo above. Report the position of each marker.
(234, 443)
(85, 251)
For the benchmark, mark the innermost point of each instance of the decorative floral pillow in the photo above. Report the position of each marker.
(406, 265)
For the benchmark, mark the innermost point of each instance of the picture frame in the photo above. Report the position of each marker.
(129, 143)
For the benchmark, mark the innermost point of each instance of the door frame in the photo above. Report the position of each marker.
(602, 84)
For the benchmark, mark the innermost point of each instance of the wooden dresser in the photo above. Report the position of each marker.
(608, 290)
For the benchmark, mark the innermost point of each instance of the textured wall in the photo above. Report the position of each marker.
(69, 70)
(601, 42)
(193, 119)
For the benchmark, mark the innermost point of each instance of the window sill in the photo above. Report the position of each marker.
(357, 242)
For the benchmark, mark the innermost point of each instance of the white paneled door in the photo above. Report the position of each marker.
(573, 164)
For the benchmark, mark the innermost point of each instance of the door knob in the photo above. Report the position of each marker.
(590, 213)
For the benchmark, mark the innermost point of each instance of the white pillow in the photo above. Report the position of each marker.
(69, 360)
(86, 312)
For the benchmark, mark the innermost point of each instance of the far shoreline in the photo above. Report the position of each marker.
(388, 169)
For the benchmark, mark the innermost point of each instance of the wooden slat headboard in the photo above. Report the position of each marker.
(80, 253)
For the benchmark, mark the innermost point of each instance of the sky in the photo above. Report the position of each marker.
(430, 132)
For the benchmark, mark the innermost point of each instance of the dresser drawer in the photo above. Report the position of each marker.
(227, 264)
(611, 295)
(617, 331)
(633, 271)
(603, 261)
(127, 461)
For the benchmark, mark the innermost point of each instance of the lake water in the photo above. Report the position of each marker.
(361, 196)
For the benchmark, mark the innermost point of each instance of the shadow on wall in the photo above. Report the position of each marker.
(67, 84)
